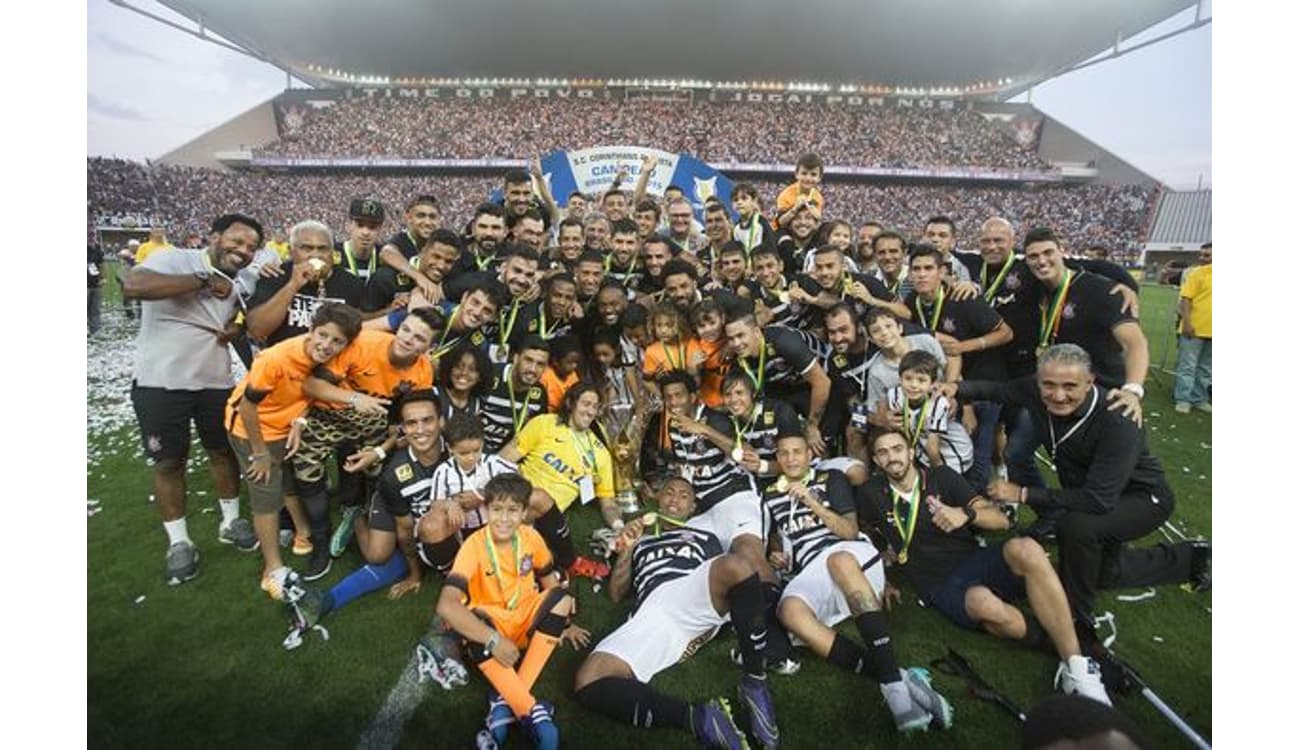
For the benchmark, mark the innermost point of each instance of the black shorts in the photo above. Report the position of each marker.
(164, 416)
(380, 517)
(984, 568)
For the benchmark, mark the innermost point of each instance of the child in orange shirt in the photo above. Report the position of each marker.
(502, 596)
(708, 321)
(562, 372)
(803, 191)
(673, 348)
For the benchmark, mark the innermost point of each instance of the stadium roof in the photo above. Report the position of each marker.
(890, 42)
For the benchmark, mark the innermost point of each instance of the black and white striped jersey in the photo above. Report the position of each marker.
(672, 553)
(769, 418)
(807, 533)
(503, 405)
(713, 474)
(448, 480)
(954, 442)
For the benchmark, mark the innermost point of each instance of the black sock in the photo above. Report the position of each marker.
(778, 641)
(554, 528)
(317, 507)
(745, 599)
(629, 701)
(847, 655)
(880, 650)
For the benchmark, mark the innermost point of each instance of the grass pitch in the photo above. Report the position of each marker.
(201, 664)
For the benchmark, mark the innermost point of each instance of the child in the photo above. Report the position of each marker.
(672, 349)
(502, 596)
(751, 228)
(708, 320)
(455, 508)
(802, 192)
(937, 439)
(566, 358)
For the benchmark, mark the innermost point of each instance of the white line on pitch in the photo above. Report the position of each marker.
(386, 728)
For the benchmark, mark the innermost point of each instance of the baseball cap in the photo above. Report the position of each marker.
(366, 208)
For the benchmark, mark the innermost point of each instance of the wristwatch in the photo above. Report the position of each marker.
(970, 513)
(491, 644)
(1135, 388)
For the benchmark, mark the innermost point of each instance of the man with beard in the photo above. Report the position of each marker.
(487, 231)
(595, 232)
(589, 273)
(794, 243)
(514, 396)
(621, 263)
(390, 289)
(518, 198)
(551, 316)
(356, 254)
(831, 283)
(283, 306)
(422, 218)
(717, 233)
(656, 250)
(182, 374)
(528, 230)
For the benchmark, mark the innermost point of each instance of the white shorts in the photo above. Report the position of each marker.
(815, 587)
(668, 627)
(742, 513)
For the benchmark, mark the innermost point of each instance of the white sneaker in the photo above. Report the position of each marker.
(1205, 407)
(1182, 407)
(1080, 675)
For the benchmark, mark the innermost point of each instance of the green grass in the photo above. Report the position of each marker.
(201, 664)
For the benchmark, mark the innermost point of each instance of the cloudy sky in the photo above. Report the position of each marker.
(151, 88)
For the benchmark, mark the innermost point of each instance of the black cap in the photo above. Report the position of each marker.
(366, 208)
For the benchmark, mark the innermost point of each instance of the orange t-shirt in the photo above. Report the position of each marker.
(363, 366)
(712, 371)
(661, 358)
(790, 196)
(277, 373)
(556, 387)
(486, 584)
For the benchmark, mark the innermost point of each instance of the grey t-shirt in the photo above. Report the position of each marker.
(178, 346)
(883, 375)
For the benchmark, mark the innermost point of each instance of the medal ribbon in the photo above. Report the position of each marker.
(352, 261)
(938, 310)
(913, 500)
(513, 600)
(924, 414)
(520, 416)
(762, 369)
(444, 345)
(504, 327)
(990, 290)
(1049, 323)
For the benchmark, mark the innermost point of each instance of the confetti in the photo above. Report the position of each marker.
(93, 511)
(139, 599)
(209, 510)
(1186, 470)
(1148, 594)
(1201, 476)
(1157, 639)
(1206, 446)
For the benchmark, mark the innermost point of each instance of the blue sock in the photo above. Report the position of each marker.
(365, 579)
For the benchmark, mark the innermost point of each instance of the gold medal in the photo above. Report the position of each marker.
(737, 453)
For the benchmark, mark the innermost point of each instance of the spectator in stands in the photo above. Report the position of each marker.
(157, 241)
(1192, 381)
(94, 284)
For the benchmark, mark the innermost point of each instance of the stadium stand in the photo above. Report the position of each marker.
(1183, 217)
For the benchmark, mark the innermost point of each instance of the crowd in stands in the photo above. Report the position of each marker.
(1110, 216)
(715, 132)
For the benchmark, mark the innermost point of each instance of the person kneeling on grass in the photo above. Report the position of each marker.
(936, 548)
(502, 595)
(837, 575)
(264, 421)
(686, 588)
(386, 535)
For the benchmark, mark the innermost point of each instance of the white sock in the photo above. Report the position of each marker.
(1077, 665)
(897, 696)
(229, 510)
(278, 575)
(177, 531)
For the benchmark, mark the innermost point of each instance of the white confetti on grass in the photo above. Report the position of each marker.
(1157, 639)
(139, 599)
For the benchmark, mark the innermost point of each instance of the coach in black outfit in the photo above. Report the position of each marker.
(1112, 489)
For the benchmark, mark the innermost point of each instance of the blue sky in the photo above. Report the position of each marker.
(151, 88)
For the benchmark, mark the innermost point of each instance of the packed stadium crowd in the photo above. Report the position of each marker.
(715, 132)
(1085, 215)
(776, 416)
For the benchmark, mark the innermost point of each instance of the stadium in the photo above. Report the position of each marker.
(445, 98)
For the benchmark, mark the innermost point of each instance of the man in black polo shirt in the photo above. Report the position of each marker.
(518, 198)
(831, 284)
(487, 232)
(968, 330)
(551, 316)
(973, 586)
(422, 218)
(356, 254)
(1078, 308)
(282, 306)
(795, 242)
(622, 264)
(1112, 489)
(782, 366)
(656, 250)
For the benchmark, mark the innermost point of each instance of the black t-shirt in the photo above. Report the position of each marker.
(785, 359)
(811, 316)
(933, 553)
(383, 286)
(1088, 318)
(533, 319)
(791, 252)
(405, 486)
(94, 266)
(404, 242)
(778, 303)
(964, 320)
(341, 286)
(470, 262)
(346, 260)
(1013, 295)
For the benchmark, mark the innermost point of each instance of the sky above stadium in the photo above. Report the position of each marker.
(151, 88)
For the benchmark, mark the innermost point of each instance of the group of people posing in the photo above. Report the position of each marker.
(774, 414)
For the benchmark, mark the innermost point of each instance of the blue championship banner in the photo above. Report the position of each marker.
(592, 171)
